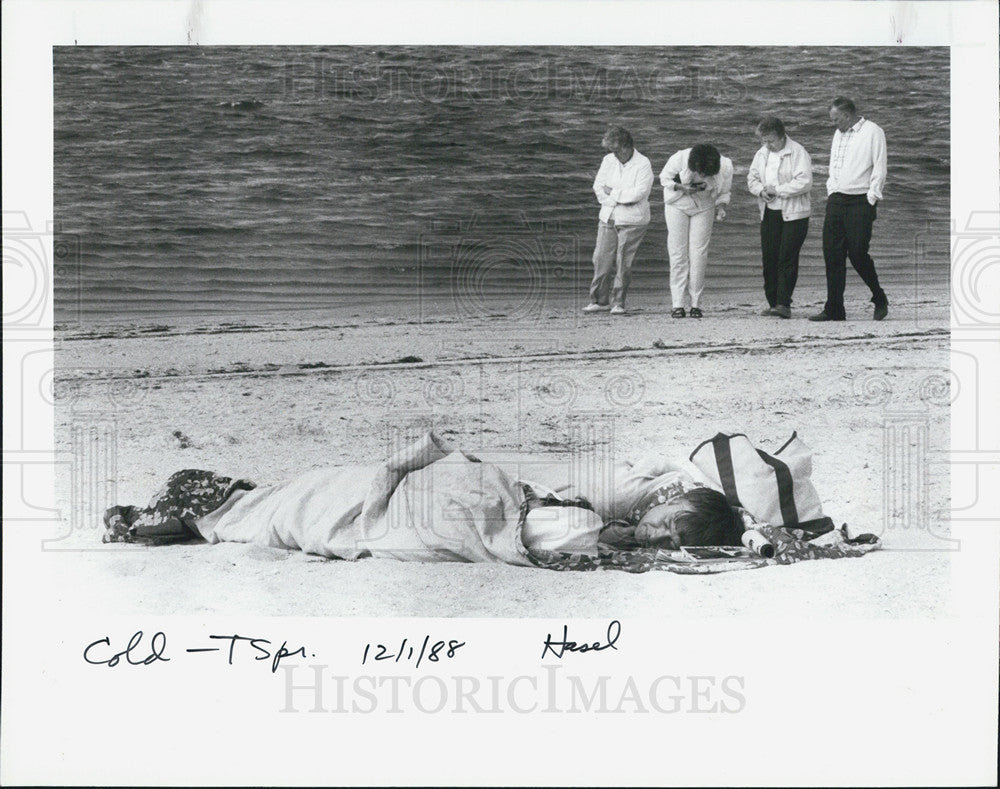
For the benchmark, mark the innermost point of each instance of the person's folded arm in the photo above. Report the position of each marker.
(638, 191)
(656, 464)
(599, 183)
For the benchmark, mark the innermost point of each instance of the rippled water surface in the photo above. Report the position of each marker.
(226, 181)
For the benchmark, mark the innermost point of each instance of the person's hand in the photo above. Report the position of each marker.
(618, 535)
(720, 213)
(690, 188)
(872, 200)
(768, 193)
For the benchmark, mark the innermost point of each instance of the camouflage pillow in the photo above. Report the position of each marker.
(188, 495)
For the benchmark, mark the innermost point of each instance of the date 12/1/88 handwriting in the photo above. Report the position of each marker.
(378, 652)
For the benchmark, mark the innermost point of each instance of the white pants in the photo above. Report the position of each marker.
(687, 245)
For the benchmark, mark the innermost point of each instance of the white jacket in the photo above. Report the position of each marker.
(794, 180)
(718, 190)
(630, 183)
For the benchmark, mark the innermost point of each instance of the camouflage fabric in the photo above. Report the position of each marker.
(660, 495)
(188, 495)
(788, 549)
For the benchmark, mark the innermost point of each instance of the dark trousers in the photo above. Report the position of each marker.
(847, 232)
(780, 242)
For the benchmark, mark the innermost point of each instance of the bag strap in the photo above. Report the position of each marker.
(786, 493)
(727, 475)
(817, 526)
(795, 434)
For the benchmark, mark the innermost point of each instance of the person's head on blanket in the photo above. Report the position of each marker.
(674, 515)
(677, 512)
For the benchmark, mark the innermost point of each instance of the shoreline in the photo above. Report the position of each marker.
(649, 294)
(360, 340)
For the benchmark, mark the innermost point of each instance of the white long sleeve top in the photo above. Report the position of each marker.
(858, 161)
(630, 183)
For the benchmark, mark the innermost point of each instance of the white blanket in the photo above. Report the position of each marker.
(421, 505)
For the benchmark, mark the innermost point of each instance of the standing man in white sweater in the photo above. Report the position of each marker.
(622, 187)
(857, 174)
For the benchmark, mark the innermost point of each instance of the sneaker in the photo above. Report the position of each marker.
(767, 311)
(881, 310)
(595, 307)
(618, 309)
(678, 312)
(696, 313)
(782, 311)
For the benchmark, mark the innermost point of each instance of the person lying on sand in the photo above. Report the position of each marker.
(428, 504)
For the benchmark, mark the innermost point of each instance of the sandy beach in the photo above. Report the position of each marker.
(268, 400)
(486, 195)
(265, 243)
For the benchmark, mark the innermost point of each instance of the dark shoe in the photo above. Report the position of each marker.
(881, 310)
(822, 316)
(678, 312)
(781, 311)
(696, 313)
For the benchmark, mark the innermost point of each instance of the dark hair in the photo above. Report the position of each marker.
(770, 124)
(845, 104)
(617, 136)
(555, 501)
(532, 500)
(704, 159)
(711, 521)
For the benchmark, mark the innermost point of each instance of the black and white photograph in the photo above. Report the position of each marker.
(361, 302)
(571, 370)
